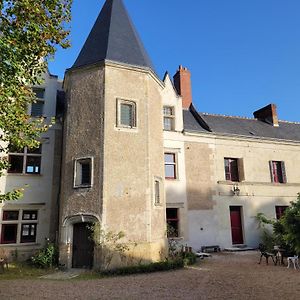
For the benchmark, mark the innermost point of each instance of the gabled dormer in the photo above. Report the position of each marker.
(172, 107)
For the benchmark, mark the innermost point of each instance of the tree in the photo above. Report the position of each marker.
(291, 225)
(284, 232)
(30, 32)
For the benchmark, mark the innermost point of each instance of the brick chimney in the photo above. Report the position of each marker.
(182, 82)
(268, 114)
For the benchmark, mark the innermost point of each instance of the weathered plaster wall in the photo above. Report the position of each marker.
(83, 137)
(133, 157)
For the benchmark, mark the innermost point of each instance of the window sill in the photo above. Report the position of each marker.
(225, 182)
(20, 244)
(22, 174)
(82, 187)
(126, 129)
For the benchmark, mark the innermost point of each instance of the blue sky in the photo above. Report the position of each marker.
(243, 54)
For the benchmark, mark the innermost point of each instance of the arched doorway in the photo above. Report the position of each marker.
(83, 246)
(76, 246)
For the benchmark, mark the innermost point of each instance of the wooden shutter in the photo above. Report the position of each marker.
(241, 169)
(271, 170)
(284, 179)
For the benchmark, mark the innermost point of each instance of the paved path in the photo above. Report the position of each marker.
(224, 276)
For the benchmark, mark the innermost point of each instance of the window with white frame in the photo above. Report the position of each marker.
(25, 161)
(170, 166)
(169, 118)
(83, 171)
(19, 226)
(126, 113)
(37, 107)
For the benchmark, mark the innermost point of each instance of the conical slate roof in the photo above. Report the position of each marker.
(114, 38)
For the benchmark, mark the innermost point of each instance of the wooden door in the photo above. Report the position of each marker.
(83, 246)
(236, 225)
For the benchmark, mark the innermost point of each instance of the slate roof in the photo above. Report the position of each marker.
(241, 126)
(113, 37)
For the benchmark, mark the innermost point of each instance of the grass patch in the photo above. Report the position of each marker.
(23, 271)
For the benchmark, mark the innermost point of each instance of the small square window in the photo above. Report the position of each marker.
(126, 114)
(28, 233)
(10, 215)
(16, 163)
(39, 92)
(280, 211)
(83, 173)
(29, 215)
(9, 233)
(33, 165)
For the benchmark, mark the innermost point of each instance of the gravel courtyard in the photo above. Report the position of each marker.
(224, 276)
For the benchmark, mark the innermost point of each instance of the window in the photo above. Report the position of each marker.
(126, 114)
(28, 233)
(280, 211)
(37, 108)
(11, 224)
(234, 169)
(9, 233)
(172, 222)
(277, 169)
(170, 166)
(25, 161)
(169, 118)
(156, 192)
(83, 173)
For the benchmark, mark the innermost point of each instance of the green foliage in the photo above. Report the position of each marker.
(30, 32)
(147, 268)
(46, 257)
(284, 232)
(189, 258)
(290, 225)
(109, 241)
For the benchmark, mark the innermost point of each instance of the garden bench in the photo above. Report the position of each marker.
(213, 248)
(267, 255)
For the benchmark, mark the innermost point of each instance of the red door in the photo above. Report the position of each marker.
(236, 225)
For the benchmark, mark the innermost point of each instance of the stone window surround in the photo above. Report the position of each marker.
(19, 222)
(75, 178)
(134, 104)
(158, 180)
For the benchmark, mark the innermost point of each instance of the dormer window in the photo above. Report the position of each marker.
(169, 118)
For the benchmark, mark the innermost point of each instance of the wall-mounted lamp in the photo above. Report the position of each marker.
(236, 190)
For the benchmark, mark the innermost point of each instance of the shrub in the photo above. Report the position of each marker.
(189, 258)
(47, 257)
(147, 268)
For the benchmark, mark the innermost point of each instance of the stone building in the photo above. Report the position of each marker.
(137, 155)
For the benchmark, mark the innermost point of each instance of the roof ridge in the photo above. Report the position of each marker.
(289, 122)
(226, 116)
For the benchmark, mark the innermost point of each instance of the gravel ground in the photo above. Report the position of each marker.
(224, 276)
